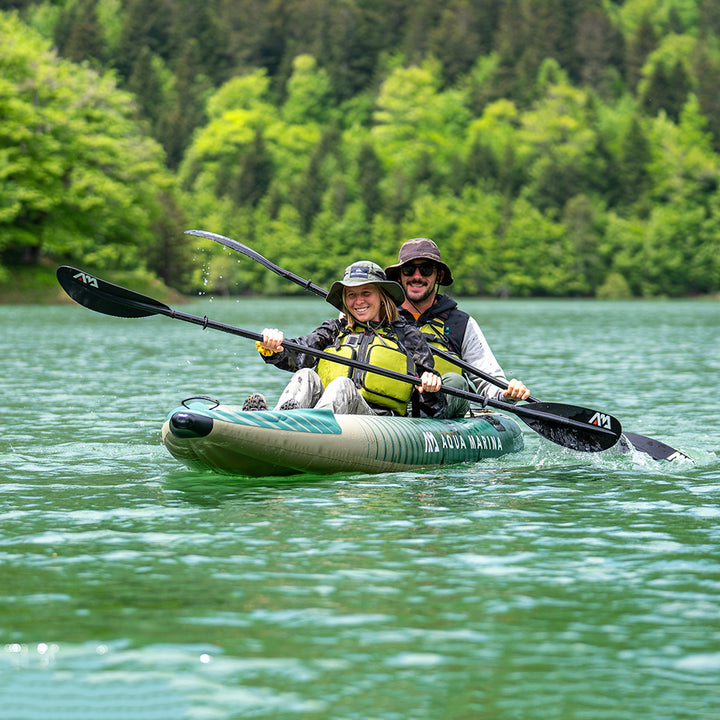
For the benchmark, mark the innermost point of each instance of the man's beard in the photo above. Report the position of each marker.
(429, 290)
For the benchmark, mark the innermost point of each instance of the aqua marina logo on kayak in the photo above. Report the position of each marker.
(455, 441)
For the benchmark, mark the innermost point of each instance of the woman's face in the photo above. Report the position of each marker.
(363, 302)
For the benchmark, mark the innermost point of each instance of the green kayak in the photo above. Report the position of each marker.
(225, 439)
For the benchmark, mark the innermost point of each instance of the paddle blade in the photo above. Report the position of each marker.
(654, 448)
(104, 297)
(582, 429)
(230, 243)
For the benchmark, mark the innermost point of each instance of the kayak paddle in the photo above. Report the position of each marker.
(656, 449)
(573, 427)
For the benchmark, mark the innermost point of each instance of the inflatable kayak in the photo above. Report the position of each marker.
(225, 439)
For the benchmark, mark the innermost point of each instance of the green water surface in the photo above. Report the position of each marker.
(544, 585)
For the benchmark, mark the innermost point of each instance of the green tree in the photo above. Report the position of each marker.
(528, 34)
(642, 42)
(535, 256)
(370, 176)
(674, 22)
(668, 254)
(559, 134)
(307, 194)
(600, 47)
(183, 108)
(656, 95)
(666, 90)
(246, 154)
(482, 164)
(633, 165)
(706, 69)
(583, 219)
(256, 34)
(482, 83)
(457, 38)
(248, 182)
(198, 23)
(240, 114)
(146, 25)
(709, 18)
(78, 34)
(683, 167)
(308, 93)
(494, 149)
(512, 78)
(353, 38)
(146, 85)
(79, 179)
(415, 121)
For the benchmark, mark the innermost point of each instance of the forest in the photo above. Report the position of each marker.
(552, 148)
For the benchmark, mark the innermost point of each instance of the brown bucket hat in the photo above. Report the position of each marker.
(419, 249)
(363, 272)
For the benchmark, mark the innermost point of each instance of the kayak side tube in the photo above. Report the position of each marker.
(263, 443)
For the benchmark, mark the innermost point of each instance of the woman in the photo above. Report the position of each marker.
(370, 331)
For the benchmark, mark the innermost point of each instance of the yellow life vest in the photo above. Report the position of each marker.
(382, 348)
(434, 333)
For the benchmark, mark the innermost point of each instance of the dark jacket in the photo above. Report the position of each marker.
(431, 404)
(462, 335)
(445, 312)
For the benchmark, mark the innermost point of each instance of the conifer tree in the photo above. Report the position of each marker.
(77, 33)
(481, 163)
(656, 95)
(599, 46)
(456, 39)
(674, 23)
(707, 73)
(666, 90)
(709, 18)
(370, 176)
(146, 25)
(633, 165)
(643, 42)
(186, 109)
(145, 84)
(679, 87)
(249, 185)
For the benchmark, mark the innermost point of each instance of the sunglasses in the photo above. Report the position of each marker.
(426, 269)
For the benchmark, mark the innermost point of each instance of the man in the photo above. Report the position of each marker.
(420, 270)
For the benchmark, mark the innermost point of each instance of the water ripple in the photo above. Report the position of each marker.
(550, 583)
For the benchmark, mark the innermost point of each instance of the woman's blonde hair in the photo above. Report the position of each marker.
(388, 308)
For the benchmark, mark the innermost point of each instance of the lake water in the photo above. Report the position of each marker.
(548, 584)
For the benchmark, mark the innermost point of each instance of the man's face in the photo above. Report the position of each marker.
(418, 279)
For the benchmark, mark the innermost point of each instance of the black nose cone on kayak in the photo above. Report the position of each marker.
(186, 424)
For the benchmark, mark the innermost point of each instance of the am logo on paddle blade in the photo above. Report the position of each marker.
(601, 420)
(85, 278)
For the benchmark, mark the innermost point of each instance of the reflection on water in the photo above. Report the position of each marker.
(548, 584)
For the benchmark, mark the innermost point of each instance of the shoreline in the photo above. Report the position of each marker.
(39, 286)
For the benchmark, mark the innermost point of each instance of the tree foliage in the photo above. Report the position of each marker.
(555, 148)
(79, 179)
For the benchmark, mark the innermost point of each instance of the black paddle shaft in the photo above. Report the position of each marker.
(568, 425)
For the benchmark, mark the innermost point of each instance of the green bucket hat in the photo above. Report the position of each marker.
(363, 272)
